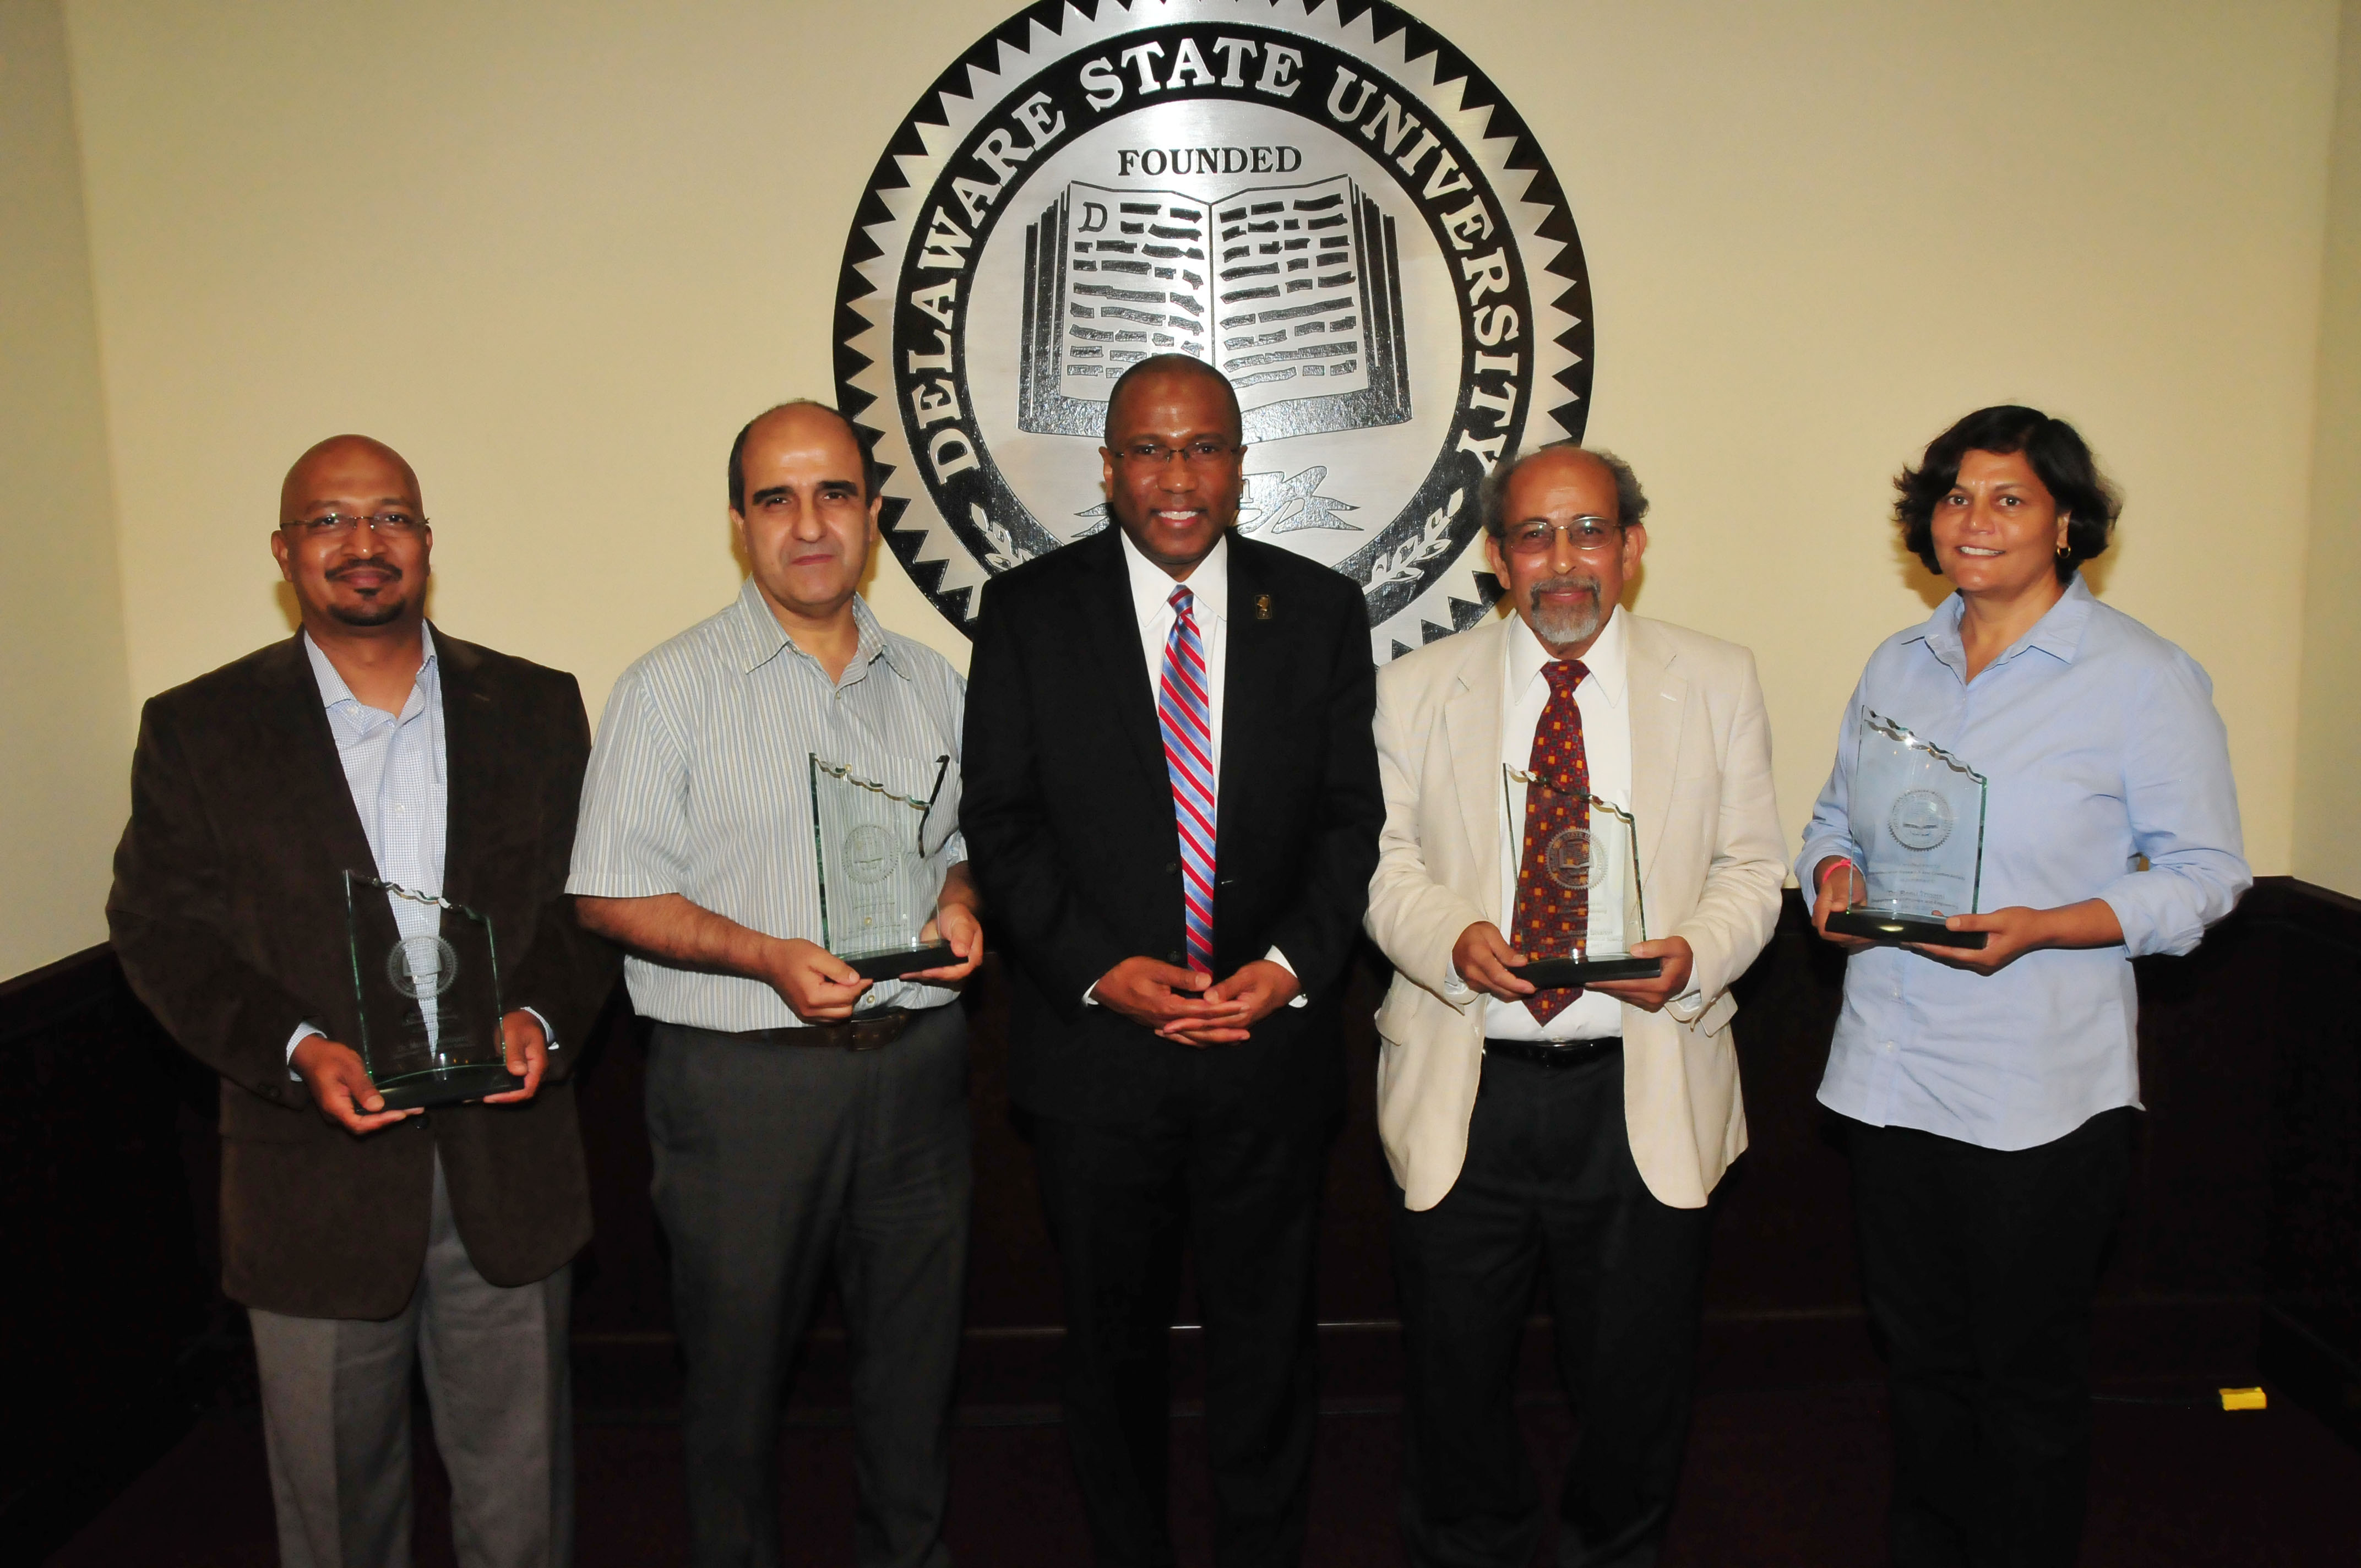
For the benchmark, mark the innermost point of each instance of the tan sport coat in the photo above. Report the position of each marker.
(1711, 864)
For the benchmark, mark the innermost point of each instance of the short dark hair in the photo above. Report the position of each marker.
(872, 476)
(1631, 500)
(1157, 363)
(2058, 457)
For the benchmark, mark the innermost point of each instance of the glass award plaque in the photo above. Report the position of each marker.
(1598, 858)
(427, 978)
(1918, 816)
(875, 893)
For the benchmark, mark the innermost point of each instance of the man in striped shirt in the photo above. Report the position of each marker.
(800, 1115)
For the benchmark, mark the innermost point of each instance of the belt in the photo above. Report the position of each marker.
(1572, 1053)
(869, 1032)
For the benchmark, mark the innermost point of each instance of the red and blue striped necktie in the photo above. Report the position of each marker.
(1187, 717)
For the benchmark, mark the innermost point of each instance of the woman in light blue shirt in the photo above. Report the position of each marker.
(1987, 1095)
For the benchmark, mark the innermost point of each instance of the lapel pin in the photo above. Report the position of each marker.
(1262, 607)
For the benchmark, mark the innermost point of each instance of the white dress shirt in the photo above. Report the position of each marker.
(1151, 603)
(1603, 699)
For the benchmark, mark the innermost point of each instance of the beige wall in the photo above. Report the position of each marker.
(557, 253)
(2328, 732)
(65, 739)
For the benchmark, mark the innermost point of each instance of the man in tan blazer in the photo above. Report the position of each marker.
(1566, 1134)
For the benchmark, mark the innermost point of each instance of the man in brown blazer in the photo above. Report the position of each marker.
(361, 1237)
(1560, 1135)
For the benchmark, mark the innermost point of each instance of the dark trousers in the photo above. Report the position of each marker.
(1978, 1266)
(773, 1160)
(1121, 1202)
(1549, 1191)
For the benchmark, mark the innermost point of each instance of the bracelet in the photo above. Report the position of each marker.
(1829, 870)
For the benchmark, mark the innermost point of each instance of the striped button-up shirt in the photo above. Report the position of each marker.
(700, 784)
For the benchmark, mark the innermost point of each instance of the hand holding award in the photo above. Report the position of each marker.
(427, 980)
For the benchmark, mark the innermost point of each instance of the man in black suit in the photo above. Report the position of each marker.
(1172, 809)
(364, 1238)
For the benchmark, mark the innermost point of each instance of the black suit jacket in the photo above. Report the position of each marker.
(228, 915)
(1068, 817)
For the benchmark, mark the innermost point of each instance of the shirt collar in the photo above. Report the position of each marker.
(1528, 653)
(333, 689)
(2058, 633)
(759, 638)
(1152, 585)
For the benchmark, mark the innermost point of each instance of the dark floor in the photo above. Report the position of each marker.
(1773, 1478)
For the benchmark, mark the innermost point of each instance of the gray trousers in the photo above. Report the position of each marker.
(773, 1160)
(336, 1418)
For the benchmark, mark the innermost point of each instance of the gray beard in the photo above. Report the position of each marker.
(1559, 627)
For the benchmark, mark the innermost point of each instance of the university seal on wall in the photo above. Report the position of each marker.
(1330, 204)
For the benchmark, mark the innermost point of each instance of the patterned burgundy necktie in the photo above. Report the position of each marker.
(1551, 919)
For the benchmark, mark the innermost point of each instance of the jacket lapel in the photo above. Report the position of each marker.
(1113, 632)
(472, 730)
(1248, 688)
(313, 788)
(1659, 696)
(1471, 719)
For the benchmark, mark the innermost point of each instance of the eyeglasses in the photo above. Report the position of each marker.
(1588, 536)
(341, 524)
(1196, 454)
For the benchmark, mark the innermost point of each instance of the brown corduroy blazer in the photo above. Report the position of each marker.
(227, 913)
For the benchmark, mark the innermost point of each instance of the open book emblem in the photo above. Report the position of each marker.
(1291, 290)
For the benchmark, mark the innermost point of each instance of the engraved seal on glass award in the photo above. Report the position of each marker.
(1568, 859)
(1927, 864)
(1920, 819)
(423, 968)
(1601, 858)
(426, 983)
(876, 890)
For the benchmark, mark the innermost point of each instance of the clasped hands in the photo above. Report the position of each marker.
(1186, 1006)
(340, 1085)
(1485, 961)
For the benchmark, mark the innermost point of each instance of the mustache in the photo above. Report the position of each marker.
(1591, 586)
(377, 563)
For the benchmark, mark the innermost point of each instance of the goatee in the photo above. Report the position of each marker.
(1558, 625)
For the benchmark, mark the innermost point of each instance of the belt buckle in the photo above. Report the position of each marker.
(869, 1033)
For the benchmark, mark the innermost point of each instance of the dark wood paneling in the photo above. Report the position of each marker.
(99, 1245)
(108, 1165)
(2179, 1300)
(2311, 1318)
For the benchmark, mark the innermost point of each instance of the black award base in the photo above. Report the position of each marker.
(448, 1086)
(902, 961)
(1550, 975)
(1893, 930)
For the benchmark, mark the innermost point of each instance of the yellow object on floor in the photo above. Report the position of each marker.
(2242, 1399)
